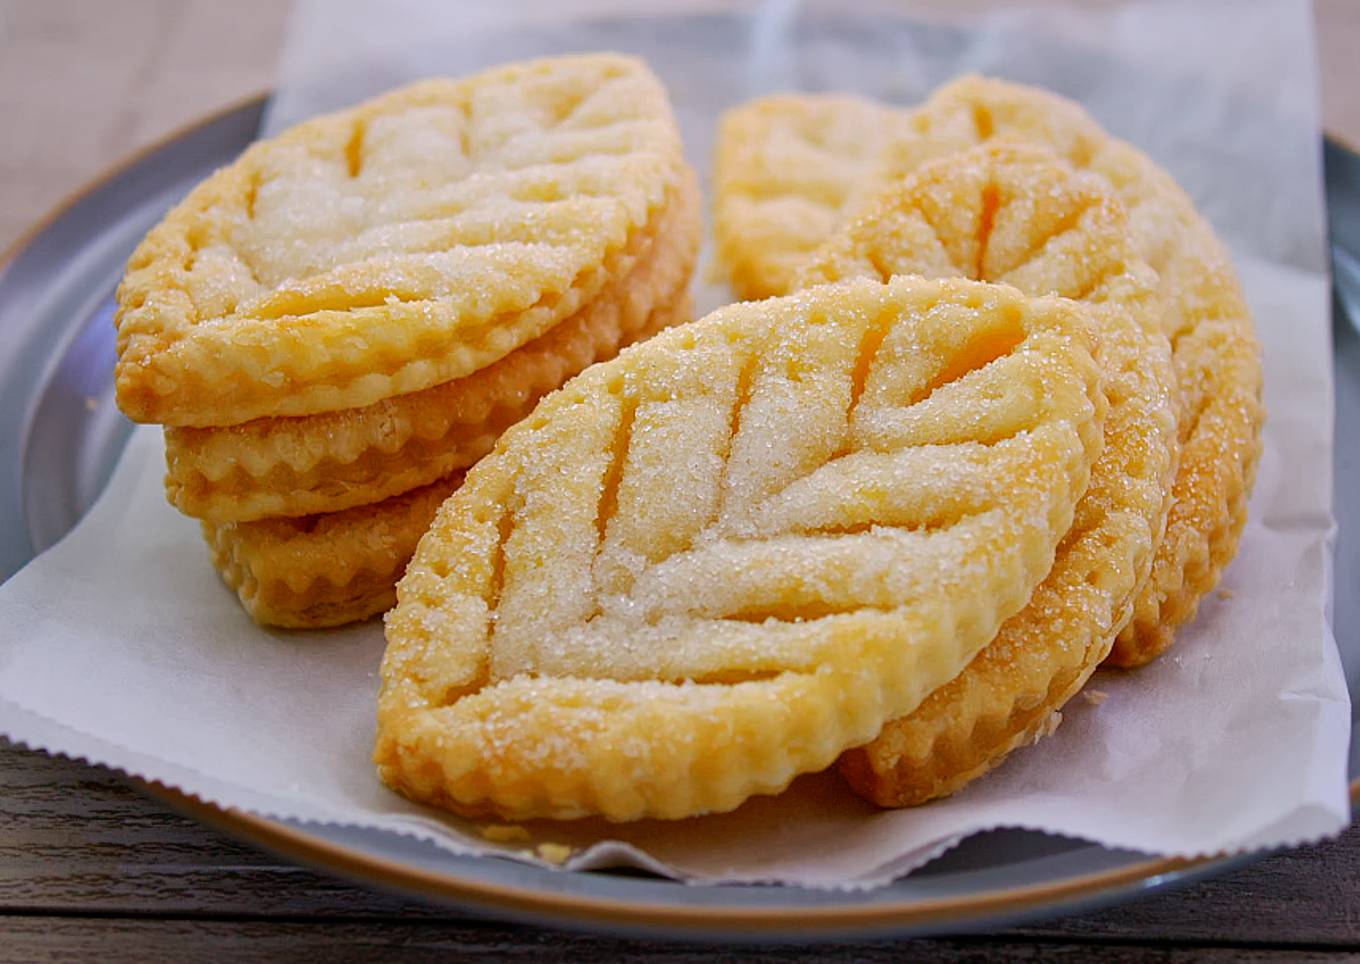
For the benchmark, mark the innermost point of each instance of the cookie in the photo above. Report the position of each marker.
(787, 168)
(337, 460)
(1022, 216)
(1214, 348)
(400, 244)
(326, 570)
(737, 550)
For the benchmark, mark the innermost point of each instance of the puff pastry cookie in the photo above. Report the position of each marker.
(737, 550)
(339, 323)
(1022, 216)
(393, 246)
(791, 169)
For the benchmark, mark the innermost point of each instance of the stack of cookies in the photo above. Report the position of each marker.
(999, 428)
(990, 418)
(334, 327)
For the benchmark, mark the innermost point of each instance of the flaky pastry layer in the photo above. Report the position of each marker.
(737, 550)
(396, 245)
(768, 216)
(336, 460)
(1021, 215)
(324, 570)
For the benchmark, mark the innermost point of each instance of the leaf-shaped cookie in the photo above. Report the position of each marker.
(1214, 348)
(1021, 215)
(737, 550)
(402, 243)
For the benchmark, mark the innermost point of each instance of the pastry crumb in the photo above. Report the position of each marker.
(91, 403)
(503, 833)
(1226, 594)
(554, 853)
(1047, 727)
(1094, 697)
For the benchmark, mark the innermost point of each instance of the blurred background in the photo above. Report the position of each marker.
(85, 83)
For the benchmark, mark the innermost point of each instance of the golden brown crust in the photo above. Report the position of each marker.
(336, 460)
(324, 570)
(736, 550)
(1218, 366)
(402, 243)
(1214, 348)
(1023, 216)
(786, 170)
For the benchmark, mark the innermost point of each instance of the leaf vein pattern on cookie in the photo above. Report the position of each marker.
(736, 550)
(1050, 229)
(764, 238)
(381, 250)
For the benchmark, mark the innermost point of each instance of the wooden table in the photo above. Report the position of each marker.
(89, 867)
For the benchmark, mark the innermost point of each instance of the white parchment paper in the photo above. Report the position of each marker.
(121, 646)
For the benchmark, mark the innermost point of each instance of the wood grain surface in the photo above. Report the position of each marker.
(92, 869)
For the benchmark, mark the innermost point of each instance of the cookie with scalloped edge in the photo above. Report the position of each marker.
(396, 245)
(318, 571)
(1023, 216)
(738, 549)
(1214, 347)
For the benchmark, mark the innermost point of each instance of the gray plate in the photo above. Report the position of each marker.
(60, 436)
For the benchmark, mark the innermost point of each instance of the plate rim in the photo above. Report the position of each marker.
(678, 920)
(765, 922)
